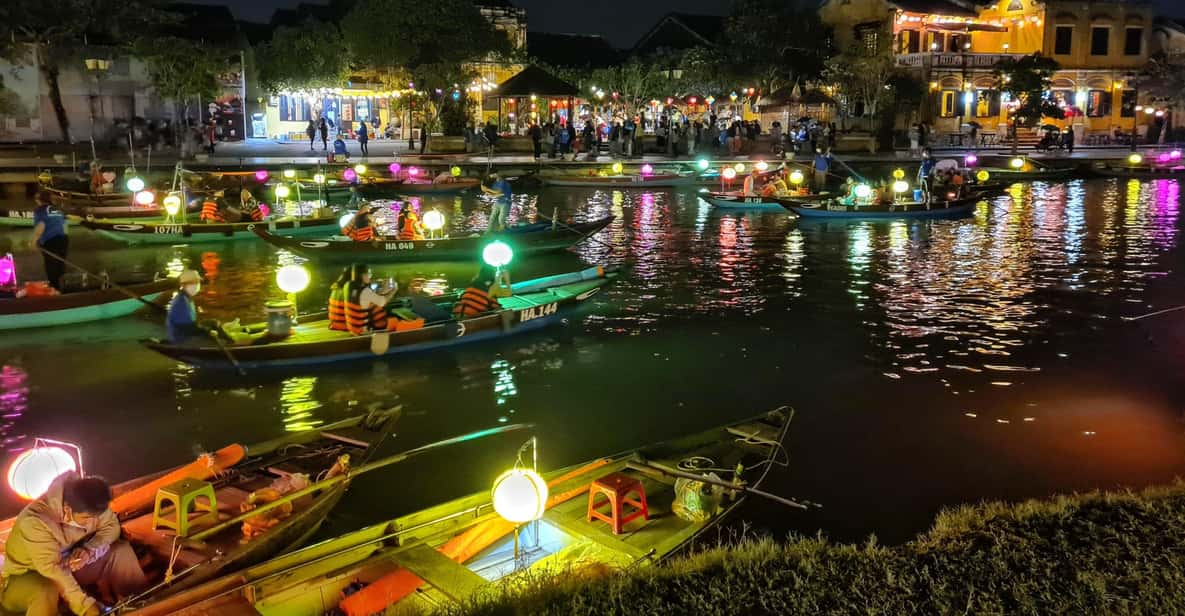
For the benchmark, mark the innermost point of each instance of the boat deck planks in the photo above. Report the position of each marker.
(453, 579)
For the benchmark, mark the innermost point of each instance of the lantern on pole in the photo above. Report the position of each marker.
(32, 472)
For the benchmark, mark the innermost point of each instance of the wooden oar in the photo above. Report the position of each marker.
(349, 475)
(113, 285)
(1154, 314)
(584, 236)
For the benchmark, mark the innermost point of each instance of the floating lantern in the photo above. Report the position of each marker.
(172, 204)
(289, 173)
(761, 165)
(703, 164)
(970, 159)
(360, 169)
(455, 171)
(433, 220)
(282, 191)
(261, 176)
(413, 171)
(145, 197)
(394, 168)
(796, 177)
(647, 169)
(900, 186)
(863, 191)
(617, 168)
(898, 174)
(319, 178)
(135, 184)
(31, 473)
(729, 173)
(1017, 162)
(497, 254)
(740, 167)
(1135, 159)
(292, 278)
(982, 175)
(520, 496)
(349, 175)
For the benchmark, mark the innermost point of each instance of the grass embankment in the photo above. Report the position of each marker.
(1098, 553)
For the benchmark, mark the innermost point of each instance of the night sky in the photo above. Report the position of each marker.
(622, 22)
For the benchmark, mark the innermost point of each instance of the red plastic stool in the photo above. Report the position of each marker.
(617, 487)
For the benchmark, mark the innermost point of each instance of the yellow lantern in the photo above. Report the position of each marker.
(1017, 162)
(982, 175)
(796, 177)
(289, 173)
(456, 171)
(360, 169)
(33, 470)
(319, 178)
(1135, 159)
(520, 496)
(172, 204)
(292, 279)
(740, 167)
(433, 220)
(617, 168)
(282, 191)
(900, 186)
(898, 174)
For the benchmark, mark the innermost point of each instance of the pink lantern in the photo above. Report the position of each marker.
(412, 171)
(970, 159)
(7, 271)
(394, 168)
(349, 175)
(265, 210)
(1163, 158)
(647, 169)
(261, 176)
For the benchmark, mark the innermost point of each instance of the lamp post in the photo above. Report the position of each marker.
(97, 67)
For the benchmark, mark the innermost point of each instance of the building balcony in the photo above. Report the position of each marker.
(952, 60)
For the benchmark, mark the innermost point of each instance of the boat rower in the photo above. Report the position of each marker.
(408, 224)
(181, 322)
(500, 209)
(366, 306)
(49, 233)
(481, 296)
(361, 226)
(749, 187)
(65, 539)
(925, 174)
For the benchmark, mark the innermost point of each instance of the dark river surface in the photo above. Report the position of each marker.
(930, 363)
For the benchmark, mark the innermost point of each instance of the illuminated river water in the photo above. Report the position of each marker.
(930, 363)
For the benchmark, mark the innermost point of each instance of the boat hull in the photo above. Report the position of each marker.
(619, 181)
(946, 209)
(534, 239)
(82, 307)
(193, 233)
(727, 201)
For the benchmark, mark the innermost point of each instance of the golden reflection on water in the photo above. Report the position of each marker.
(297, 403)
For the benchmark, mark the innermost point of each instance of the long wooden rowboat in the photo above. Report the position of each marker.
(535, 303)
(448, 553)
(1142, 173)
(526, 240)
(82, 306)
(72, 199)
(938, 209)
(738, 201)
(428, 187)
(1014, 175)
(236, 473)
(191, 233)
(655, 180)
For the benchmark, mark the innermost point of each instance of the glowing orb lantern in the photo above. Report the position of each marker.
(413, 171)
(319, 178)
(617, 168)
(30, 473)
(290, 173)
(172, 204)
(135, 184)
(1175, 155)
(282, 191)
(394, 168)
(1017, 162)
(349, 175)
(900, 186)
(982, 175)
(1135, 159)
(740, 167)
(360, 169)
(1163, 158)
(520, 496)
(647, 169)
(145, 197)
(898, 174)
(761, 165)
(970, 159)
(863, 191)
(703, 164)
(345, 220)
(265, 210)
(455, 171)
(433, 220)
(7, 270)
(729, 173)
(261, 176)
(497, 254)
(292, 278)
(796, 177)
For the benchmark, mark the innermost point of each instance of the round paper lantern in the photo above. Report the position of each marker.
(433, 220)
(497, 254)
(520, 496)
(32, 471)
(292, 279)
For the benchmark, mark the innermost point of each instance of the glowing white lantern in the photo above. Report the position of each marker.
(520, 496)
(30, 473)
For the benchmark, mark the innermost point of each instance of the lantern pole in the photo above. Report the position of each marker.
(39, 441)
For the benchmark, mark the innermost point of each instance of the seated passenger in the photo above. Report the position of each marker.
(482, 293)
(361, 226)
(366, 308)
(408, 224)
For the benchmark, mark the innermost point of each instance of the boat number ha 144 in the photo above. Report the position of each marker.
(537, 312)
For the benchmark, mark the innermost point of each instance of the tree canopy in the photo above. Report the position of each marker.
(311, 56)
(1027, 80)
(772, 44)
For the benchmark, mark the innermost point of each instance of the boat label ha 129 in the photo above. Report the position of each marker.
(537, 312)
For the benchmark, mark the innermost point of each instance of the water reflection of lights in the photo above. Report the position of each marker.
(14, 401)
(297, 404)
(504, 388)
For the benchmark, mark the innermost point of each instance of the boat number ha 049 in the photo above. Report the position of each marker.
(537, 312)
(399, 246)
(168, 229)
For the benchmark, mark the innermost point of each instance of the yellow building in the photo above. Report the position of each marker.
(953, 46)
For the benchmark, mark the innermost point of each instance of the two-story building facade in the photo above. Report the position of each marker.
(953, 46)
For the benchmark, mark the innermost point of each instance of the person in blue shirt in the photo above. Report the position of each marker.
(501, 208)
(363, 138)
(182, 318)
(925, 172)
(339, 149)
(49, 232)
(822, 167)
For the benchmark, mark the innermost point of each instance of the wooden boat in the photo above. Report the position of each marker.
(1141, 172)
(1027, 175)
(236, 472)
(191, 233)
(68, 199)
(446, 554)
(653, 180)
(91, 303)
(16, 217)
(951, 208)
(428, 187)
(737, 201)
(526, 240)
(535, 303)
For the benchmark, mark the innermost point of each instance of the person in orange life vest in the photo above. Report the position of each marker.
(249, 210)
(212, 208)
(338, 294)
(361, 227)
(366, 307)
(409, 224)
(482, 294)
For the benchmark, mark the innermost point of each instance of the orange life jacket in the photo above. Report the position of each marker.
(210, 212)
(409, 231)
(255, 214)
(474, 301)
(360, 231)
(337, 308)
(359, 319)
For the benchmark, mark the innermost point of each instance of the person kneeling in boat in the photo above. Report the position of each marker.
(361, 226)
(67, 538)
(481, 296)
(181, 322)
(408, 224)
(366, 308)
(249, 210)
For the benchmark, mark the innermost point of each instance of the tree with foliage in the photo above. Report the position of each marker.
(861, 76)
(776, 43)
(1163, 82)
(182, 70)
(310, 56)
(55, 32)
(1026, 81)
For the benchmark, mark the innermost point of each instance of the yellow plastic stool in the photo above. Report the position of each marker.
(182, 495)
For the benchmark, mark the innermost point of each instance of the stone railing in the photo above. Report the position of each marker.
(949, 60)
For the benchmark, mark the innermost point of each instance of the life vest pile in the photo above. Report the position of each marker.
(254, 213)
(359, 319)
(474, 301)
(210, 211)
(337, 308)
